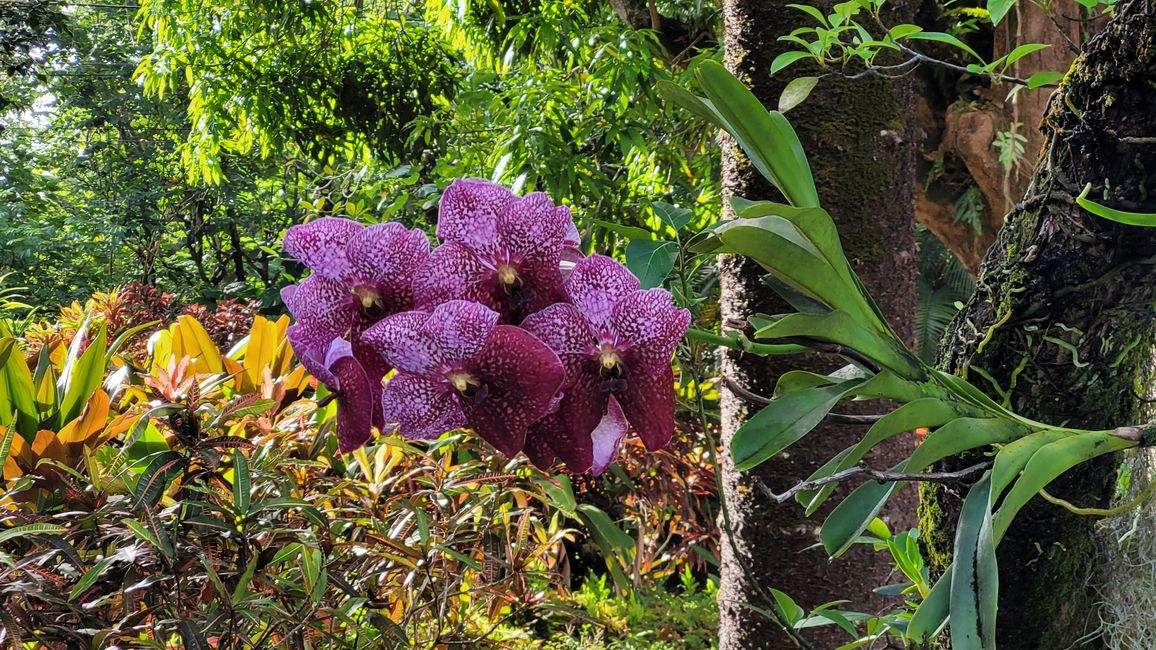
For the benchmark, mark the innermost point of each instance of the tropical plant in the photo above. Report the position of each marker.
(798, 245)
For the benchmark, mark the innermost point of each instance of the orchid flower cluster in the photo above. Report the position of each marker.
(504, 328)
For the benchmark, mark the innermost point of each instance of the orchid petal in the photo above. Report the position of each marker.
(530, 230)
(320, 244)
(565, 330)
(648, 402)
(469, 212)
(649, 325)
(519, 376)
(354, 404)
(322, 305)
(310, 347)
(568, 431)
(422, 408)
(385, 258)
(606, 439)
(595, 285)
(538, 449)
(428, 343)
(452, 272)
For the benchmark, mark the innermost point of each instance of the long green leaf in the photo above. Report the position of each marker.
(927, 412)
(1048, 464)
(853, 514)
(975, 580)
(31, 529)
(84, 378)
(931, 615)
(242, 483)
(18, 400)
(784, 422)
(766, 136)
(842, 328)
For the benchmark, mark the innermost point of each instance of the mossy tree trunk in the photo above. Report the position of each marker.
(1062, 324)
(858, 137)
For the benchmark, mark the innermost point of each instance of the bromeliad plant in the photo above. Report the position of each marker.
(502, 328)
(798, 245)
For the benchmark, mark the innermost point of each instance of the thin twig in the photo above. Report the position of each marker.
(878, 475)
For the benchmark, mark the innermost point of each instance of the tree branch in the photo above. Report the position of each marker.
(878, 475)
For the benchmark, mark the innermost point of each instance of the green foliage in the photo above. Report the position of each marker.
(942, 286)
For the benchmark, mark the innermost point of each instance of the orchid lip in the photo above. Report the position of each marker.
(609, 362)
(464, 383)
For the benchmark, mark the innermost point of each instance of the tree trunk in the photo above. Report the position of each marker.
(1062, 322)
(859, 140)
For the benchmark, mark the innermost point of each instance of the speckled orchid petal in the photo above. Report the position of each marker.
(571, 238)
(354, 404)
(385, 258)
(469, 212)
(568, 429)
(531, 231)
(397, 340)
(595, 285)
(647, 399)
(649, 325)
(321, 305)
(564, 329)
(454, 272)
(320, 245)
(427, 343)
(310, 347)
(538, 449)
(607, 437)
(423, 408)
(519, 376)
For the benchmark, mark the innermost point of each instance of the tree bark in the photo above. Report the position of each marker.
(859, 139)
(1062, 322)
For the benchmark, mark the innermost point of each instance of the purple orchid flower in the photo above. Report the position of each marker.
(615, 342)
(361, 274)
(456, 366)
(497, 249)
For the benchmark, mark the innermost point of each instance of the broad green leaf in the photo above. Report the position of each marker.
(853, 514)
(975, 579)
(794, 380)
(841, 328)
(17, 398)
(1146, 219)
(785, 421)
(85, 377)
(90, 577)
(7, 344)
(672, 215)
(1010, 460)
(796, 92)
(785, 59)
(1044, 78)
(780, 248)
(903, 31)
(941, 37)
(927, 412)
(651, 260)
(997, 9)
(1022, 51)
(931, 615)
(1048, 464)
(766, 136)
(812, 12)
